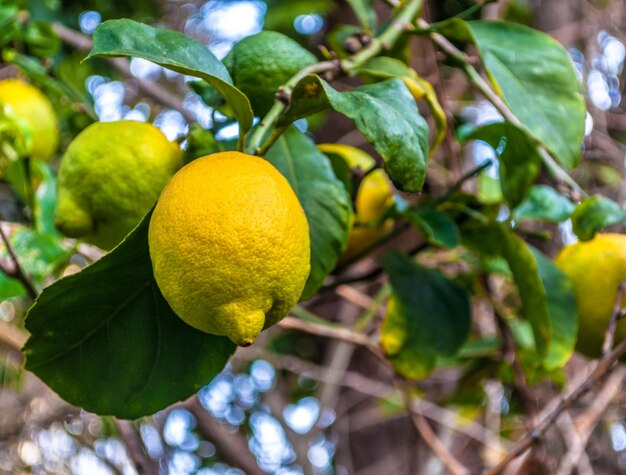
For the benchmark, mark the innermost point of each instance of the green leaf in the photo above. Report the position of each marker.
(385, 113)
(495, 239)
(595, 213)
(324, 199)
(544, 203)
(428, 316)
(106, 340)
(364, 12)
(437, 227)
(562, 311)
(172, 50)
(535, 76)
(10, 287)
(518, 156)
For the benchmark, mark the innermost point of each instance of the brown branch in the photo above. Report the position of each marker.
(335, 332)
(589, 420)
(152, 89)
(17, 272)
(136, 451)
(430, 438)
(231, 447)
(604, 366)
(616, 315)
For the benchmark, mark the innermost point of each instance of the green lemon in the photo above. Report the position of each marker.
(110, 177)
(261, 63)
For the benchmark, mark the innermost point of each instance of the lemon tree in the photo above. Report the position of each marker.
(318, 189)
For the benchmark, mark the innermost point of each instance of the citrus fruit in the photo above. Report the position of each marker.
(110, 177)
(28, 103)
(229, 244)
(261, 63)
(373, 198)
(596, 269)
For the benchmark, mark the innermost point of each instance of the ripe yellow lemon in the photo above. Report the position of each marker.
(229, 244)
(596, 269)
(110, 176)
(28, 103)
(373, 199)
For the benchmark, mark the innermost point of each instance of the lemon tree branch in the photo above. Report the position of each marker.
(386, 40)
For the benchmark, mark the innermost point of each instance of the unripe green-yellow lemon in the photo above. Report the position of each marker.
(229, 244)
(110, 177)
(596, 269)
(373, 198)
(261, 63)
(28, 103)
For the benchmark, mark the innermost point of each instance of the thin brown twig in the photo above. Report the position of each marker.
(17, 272)
(430, 438)
(604, 366)
(616, 315)
(150, 88)
(136, 451)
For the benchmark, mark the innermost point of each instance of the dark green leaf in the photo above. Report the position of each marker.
(495, 239)
(437, 227)
(385, 113)
(544, 203)
(200, 142)
(562, 311)
(518, 156)
(172, 50)
(106, 340)
(428, 316)
(593, 214)
(535, 76)
(42, 39)
(10, 288)
(323, 197)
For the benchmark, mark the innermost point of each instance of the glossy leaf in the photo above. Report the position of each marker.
(561, 309)
(518, 156)
(385, 113)
(544, 203)
(106, 340)
(172, 50)
(534, 75)
(595, 213)
(495, 239)
(428, 316)
(437, 227)
(323, 196)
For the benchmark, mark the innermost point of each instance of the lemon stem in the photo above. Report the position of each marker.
(399, 25)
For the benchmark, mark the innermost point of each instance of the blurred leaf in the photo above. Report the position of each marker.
(518, 156)
(495, 239)
(324, 199)
(40, 253)
(385, 113)
(10, 287)
(337, 37)
(41, 39)
(428, 315)
(200, 142)
(488, 189)
(172, 50)
(544, 203)
(562, 311)
(595, 213)
(9, 26)
(281, 15)
(364, 12)
(385, 68)
(118, 349)
(437, 227)
(535, 76)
